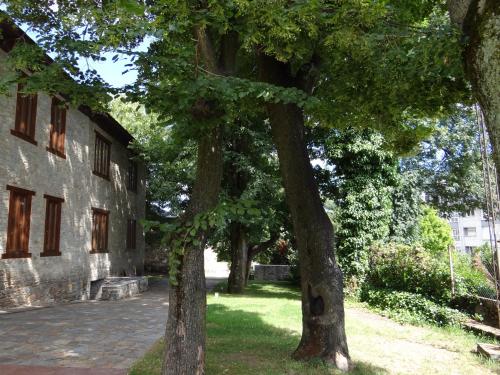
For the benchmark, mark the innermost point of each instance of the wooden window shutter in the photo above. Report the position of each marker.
(100, 223)
(131, 234)
(132, 176)
(25, 123)
(52, 226)
(102, 156)
(57, 128)
(18, 226)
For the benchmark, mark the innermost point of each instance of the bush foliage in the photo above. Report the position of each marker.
(412, 308)
(414, 269)
(409, 269)
(435, 232)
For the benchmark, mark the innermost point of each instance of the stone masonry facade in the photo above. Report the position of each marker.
(40, 280)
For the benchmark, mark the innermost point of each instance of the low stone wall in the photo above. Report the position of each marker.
(26, 290)
(271, 272)
(488, 309)
(115, 288)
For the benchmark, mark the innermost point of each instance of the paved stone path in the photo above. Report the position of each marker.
(95, 334)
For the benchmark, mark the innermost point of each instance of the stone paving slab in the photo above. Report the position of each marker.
(94, 334)
(43, 370)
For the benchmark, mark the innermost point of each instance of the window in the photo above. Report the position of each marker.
(100, 220)
(52, 226)
(470, 232)
(102, 156)
(132, 176)
(18, 226)
(456, 234)
(25, 116)
(131, 234)
(469, 249)
(57, 128)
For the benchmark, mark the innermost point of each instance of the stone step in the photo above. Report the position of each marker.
(115, 288)
(491, 351)
(483, 329)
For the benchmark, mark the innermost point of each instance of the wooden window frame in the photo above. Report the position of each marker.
(47, 252)
(18, 253)
(57, 135)
(98, 163)
(29, 134)
(94, 249)
(131, 234)
(132, 178)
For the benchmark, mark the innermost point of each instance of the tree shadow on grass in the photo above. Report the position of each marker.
(240, 342)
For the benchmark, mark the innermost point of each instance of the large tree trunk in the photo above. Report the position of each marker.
(185, 332)
(237, 179)
(479, 21)
(239, 251)
(323, 333)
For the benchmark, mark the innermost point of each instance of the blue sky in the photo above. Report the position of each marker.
(110, 71)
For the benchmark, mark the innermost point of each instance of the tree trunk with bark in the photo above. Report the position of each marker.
(185, 332)
(323, 333)
(237, 179)
(239, 252)
(479, 21)
(186, 323)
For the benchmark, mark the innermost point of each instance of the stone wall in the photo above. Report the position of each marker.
(271, 272)
(488, 309)
(38, 280)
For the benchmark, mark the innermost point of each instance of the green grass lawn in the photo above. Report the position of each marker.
(256, 333)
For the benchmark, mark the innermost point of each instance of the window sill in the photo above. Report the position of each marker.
(99, 252)
(56, 152)
(50, 254)
(23, 136)
(16, 256)
(101, 175)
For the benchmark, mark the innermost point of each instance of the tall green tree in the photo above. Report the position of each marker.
(361, 183)
(448, 165)
(406, 208)
(252, 176)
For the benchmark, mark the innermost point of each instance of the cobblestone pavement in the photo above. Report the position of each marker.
(94, 334)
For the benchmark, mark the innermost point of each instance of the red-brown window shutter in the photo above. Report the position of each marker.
(18, 226)
(102, 156)
(57, 127)
(131, 234)
(52, 226)
(132, 176)
(25, 115)
(100, 223)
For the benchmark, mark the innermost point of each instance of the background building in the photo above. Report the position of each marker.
(71, 196)
(471, 230)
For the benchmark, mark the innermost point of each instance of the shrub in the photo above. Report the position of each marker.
(409, 269)
(469, 279)
(411, 308)
(435, 232)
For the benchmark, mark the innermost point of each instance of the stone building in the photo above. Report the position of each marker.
(71, 197)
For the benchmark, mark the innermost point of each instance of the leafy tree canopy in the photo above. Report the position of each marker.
(375, 64)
